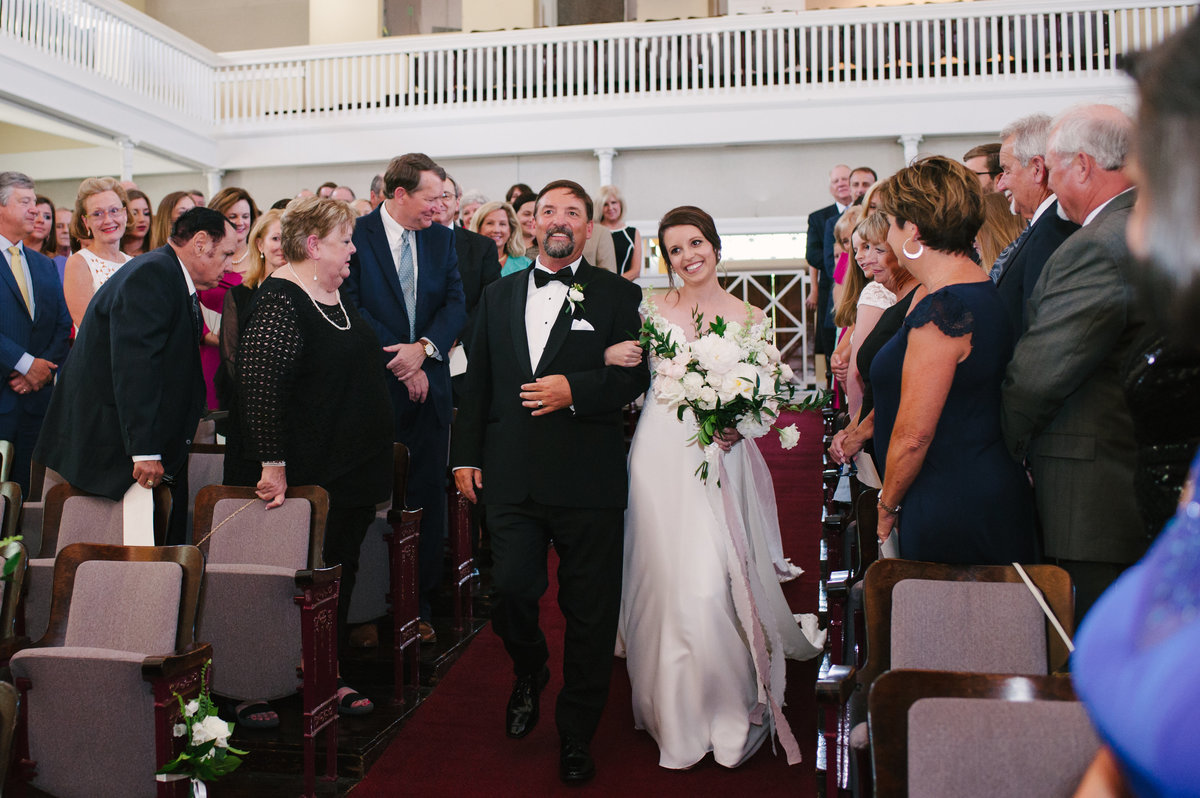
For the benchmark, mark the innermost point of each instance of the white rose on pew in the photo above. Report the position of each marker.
(211, 728)
(692, 384)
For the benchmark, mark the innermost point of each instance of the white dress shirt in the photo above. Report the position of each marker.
(26, 360)
(542, 307)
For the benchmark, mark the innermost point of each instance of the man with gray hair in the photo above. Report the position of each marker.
(1064, 407)
(1024, 175)
(34, 325)
(378, 193)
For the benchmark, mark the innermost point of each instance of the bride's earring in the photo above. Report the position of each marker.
(912, 255)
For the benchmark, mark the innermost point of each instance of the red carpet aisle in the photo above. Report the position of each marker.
(455, 743)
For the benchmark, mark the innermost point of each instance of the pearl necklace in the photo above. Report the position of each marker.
(237, 261)
(317, 305)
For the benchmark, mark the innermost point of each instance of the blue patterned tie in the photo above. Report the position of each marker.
(1006, 255)
(408, 282)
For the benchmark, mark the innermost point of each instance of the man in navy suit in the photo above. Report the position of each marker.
(404, 279)
(1023, 173)
(34, 325)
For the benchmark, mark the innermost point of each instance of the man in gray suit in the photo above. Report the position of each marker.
(1063, 404)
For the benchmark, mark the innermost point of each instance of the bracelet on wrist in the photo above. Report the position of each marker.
(886, 508)
(274, 464)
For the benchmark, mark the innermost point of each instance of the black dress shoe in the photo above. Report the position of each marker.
(575, 764)
(522, 714)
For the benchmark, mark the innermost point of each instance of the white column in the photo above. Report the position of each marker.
(125, 146)
(606, 156)
(910, 141)
(212, 182)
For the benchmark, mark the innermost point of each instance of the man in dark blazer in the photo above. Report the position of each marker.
(539, 439)
(1064, 407)
(131, 394)
(34, 326)
(1024, 175)
(478, 265)
(820, 293)
(404, 280)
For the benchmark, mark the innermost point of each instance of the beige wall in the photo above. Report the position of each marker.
(336, 21)
(224, 25)
(484, 15)
(651, 10)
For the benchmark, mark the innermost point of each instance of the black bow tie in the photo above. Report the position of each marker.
(541, 277)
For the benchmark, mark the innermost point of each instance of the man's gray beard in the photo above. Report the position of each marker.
(556, 250)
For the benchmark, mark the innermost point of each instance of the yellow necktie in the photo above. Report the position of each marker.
(19, 274)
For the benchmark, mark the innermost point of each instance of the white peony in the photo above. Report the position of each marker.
(668, 390)
(741, 381)
(715, 354)
(707, 398)
(750, 428)
(692, 384)
(789, 436)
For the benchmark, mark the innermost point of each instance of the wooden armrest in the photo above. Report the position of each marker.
(172, 665)
(317, 576)
(11, 646)
(836, 686)
(837, 586)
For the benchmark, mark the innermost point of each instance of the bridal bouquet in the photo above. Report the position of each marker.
(730, 376)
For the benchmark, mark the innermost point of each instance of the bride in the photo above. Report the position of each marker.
(704, 624)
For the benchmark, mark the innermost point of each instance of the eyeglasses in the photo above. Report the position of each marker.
(115, 213)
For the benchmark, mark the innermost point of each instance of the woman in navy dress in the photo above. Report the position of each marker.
(949, 484)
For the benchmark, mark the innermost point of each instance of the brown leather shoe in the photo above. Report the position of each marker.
(364, 636)
(428, 636)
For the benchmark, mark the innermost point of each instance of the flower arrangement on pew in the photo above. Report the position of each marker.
(11, 560)
(206, 755)
(731, 376)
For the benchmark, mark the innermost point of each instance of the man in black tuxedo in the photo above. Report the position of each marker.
(478, 265)
(539, 440)
(130, 396)
(404, 280)
(34, 325)
(1023, 173)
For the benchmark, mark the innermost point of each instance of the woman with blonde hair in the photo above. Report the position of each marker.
(101, 213)
(1000, 228)
(170, 208)
(498, 221)
(627, 241)
(266, 255)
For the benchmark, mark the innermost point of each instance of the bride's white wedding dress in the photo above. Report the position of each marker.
(704, 624)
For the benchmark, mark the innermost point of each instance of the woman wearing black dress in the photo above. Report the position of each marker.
(627, 241)
(949, 485)
(312, 404)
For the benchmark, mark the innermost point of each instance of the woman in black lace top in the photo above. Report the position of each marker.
(949, 484)
(312, 407)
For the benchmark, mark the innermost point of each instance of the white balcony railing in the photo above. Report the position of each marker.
(772, 55)
(805, 52)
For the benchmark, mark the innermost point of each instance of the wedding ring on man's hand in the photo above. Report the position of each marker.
(541, 403)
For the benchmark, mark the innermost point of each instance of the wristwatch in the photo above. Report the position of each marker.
(430, 349)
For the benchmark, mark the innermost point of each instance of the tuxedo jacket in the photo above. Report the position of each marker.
(479, 267)
(132, 385)
(1025, 264)
(566, 458)
(814, 246)
(374, 287)
(1064, 404)
(44, 335)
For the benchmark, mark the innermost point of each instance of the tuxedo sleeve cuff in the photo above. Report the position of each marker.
(141, 458)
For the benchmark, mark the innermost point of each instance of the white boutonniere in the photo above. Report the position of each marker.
(575, 298)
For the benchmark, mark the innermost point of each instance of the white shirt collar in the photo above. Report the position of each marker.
(573, 265)
(5, 244)
(841, 208)
(187, 277)
(1096, 211)
(393, 229)
(1046, 203)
